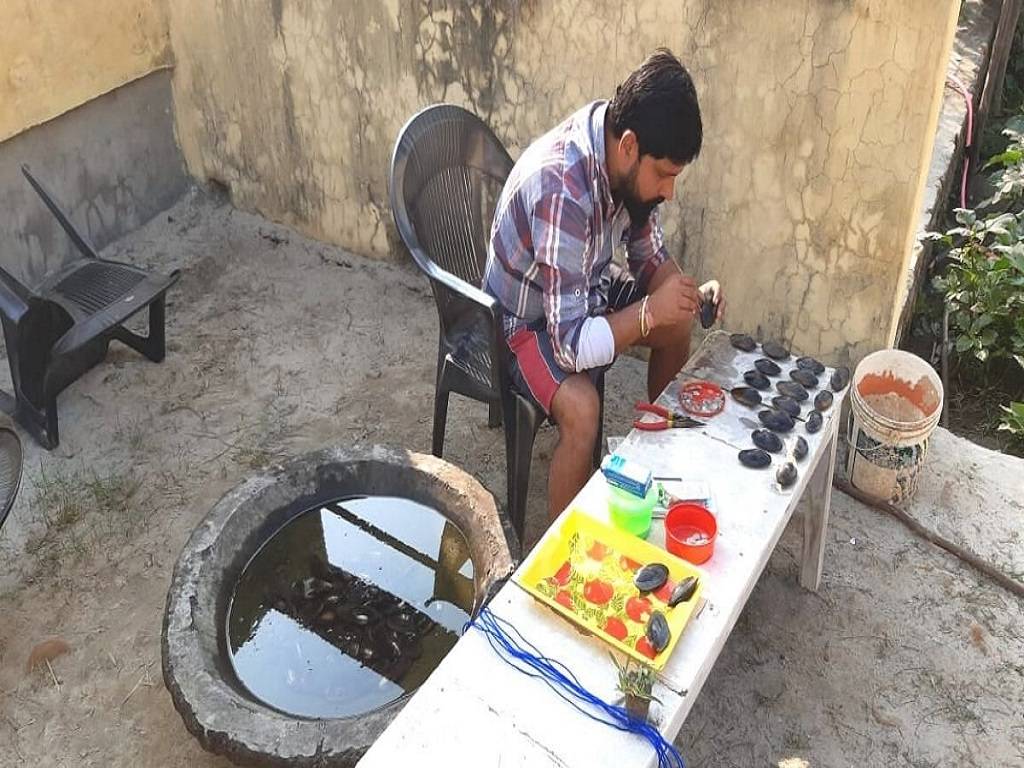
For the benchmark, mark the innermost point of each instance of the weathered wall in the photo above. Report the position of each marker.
(112, 164)
(59, 54)
(819, 115)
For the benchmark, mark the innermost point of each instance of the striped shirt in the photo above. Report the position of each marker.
(554, 233)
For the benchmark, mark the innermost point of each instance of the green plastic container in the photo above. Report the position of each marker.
(631, 513)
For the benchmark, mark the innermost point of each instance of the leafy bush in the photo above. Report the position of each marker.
(982, 281)
(1008, 178)
(983, 285)
(1013, 421)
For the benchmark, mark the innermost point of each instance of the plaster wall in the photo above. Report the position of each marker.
(819, 119)
(56, 55)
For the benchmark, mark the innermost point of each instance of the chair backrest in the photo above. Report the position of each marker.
(85, 248)
(447, 173)
(40, 249)
(21, 287)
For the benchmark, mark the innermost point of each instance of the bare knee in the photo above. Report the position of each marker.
(674, 336)
(576, 408)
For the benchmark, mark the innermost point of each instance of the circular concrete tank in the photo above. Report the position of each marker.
(216, 708)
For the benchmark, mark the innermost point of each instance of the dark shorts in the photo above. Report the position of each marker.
(534, 372)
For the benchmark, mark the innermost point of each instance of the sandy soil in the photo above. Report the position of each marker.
(277, 345)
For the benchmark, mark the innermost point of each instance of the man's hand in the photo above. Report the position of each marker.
(713, 289)
(675, 300)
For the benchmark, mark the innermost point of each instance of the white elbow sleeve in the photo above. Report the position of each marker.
(597, 344)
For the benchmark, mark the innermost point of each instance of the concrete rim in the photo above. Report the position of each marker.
(215, 707)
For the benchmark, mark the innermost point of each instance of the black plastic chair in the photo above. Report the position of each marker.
(58, 330)
(447, 173)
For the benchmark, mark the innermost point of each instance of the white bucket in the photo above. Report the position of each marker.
(896, 401)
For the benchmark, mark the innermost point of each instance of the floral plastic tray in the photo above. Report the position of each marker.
(585, 570)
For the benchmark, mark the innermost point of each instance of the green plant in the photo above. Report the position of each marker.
(983, 285)
(1008, 177)
(978, 294)
(1013, 421)
(635, 680)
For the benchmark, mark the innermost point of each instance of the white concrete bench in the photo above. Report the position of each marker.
(476, 710)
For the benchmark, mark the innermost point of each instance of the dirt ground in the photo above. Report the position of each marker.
(279, 344)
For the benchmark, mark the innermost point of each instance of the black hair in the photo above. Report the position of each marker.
(659, 104)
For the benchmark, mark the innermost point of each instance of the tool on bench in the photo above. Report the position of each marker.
(667, 419)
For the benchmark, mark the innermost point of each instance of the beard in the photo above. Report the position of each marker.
(639, 210)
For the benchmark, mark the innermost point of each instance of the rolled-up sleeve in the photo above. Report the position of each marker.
(560, 230)
(645, 250)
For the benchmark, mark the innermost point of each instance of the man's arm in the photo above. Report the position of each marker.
(652, 268)
(672, 297)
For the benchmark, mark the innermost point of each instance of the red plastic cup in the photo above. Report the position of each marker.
(686, 522)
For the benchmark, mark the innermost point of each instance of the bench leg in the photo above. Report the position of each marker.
(816, 516)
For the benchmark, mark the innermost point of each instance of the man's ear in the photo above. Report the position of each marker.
(629, 147)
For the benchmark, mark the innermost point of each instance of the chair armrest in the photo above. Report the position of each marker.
(455, 284)
(13, 302)
(467, 298)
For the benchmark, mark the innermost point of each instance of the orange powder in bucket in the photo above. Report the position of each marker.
(898, 399)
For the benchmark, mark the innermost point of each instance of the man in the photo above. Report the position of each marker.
(588, 185)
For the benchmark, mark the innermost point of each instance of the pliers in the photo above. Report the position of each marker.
(669, 419)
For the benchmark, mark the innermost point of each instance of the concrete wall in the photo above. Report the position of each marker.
(112, 164)
(819, 116)
(58, 54)
(85, 101)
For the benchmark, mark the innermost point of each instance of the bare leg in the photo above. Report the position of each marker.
(576, 409)
(670, 349)
(669, 345)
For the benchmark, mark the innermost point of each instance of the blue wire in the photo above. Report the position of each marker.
(525, 657)
(551, 672)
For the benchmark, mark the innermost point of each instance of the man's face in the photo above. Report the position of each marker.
(648, 182)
